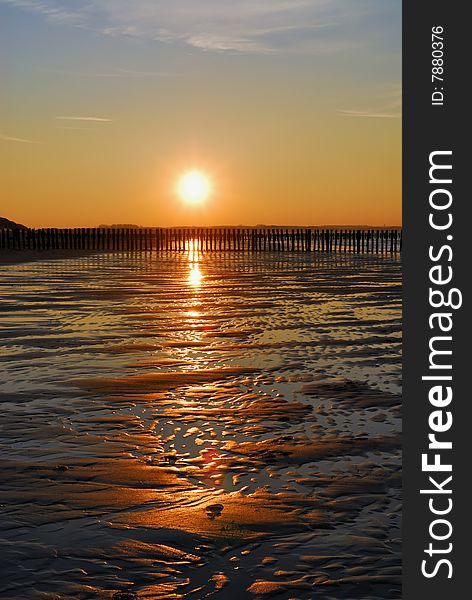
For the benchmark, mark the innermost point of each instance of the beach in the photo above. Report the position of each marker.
(13, 257)
(196, 425)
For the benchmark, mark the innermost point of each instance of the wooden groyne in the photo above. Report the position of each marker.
(356, 241)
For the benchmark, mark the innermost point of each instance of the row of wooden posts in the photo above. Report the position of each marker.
(360, 241)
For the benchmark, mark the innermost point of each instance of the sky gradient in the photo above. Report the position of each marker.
(292, 107)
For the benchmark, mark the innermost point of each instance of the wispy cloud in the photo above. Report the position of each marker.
(10, 138)
(95, 119)
(57, 12)
(246, 26)
(368, 113)
(388, 106)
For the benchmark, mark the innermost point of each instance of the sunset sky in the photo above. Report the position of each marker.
(291, 108)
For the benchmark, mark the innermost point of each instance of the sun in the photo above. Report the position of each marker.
(194, 187)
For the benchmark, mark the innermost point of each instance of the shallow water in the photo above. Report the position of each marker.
(187, 426)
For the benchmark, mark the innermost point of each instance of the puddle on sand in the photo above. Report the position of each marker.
(186, 426)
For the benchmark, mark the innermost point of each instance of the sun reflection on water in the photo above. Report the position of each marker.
(195, 276)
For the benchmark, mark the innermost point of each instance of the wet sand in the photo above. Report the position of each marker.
(225, 427)
(13, 257)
